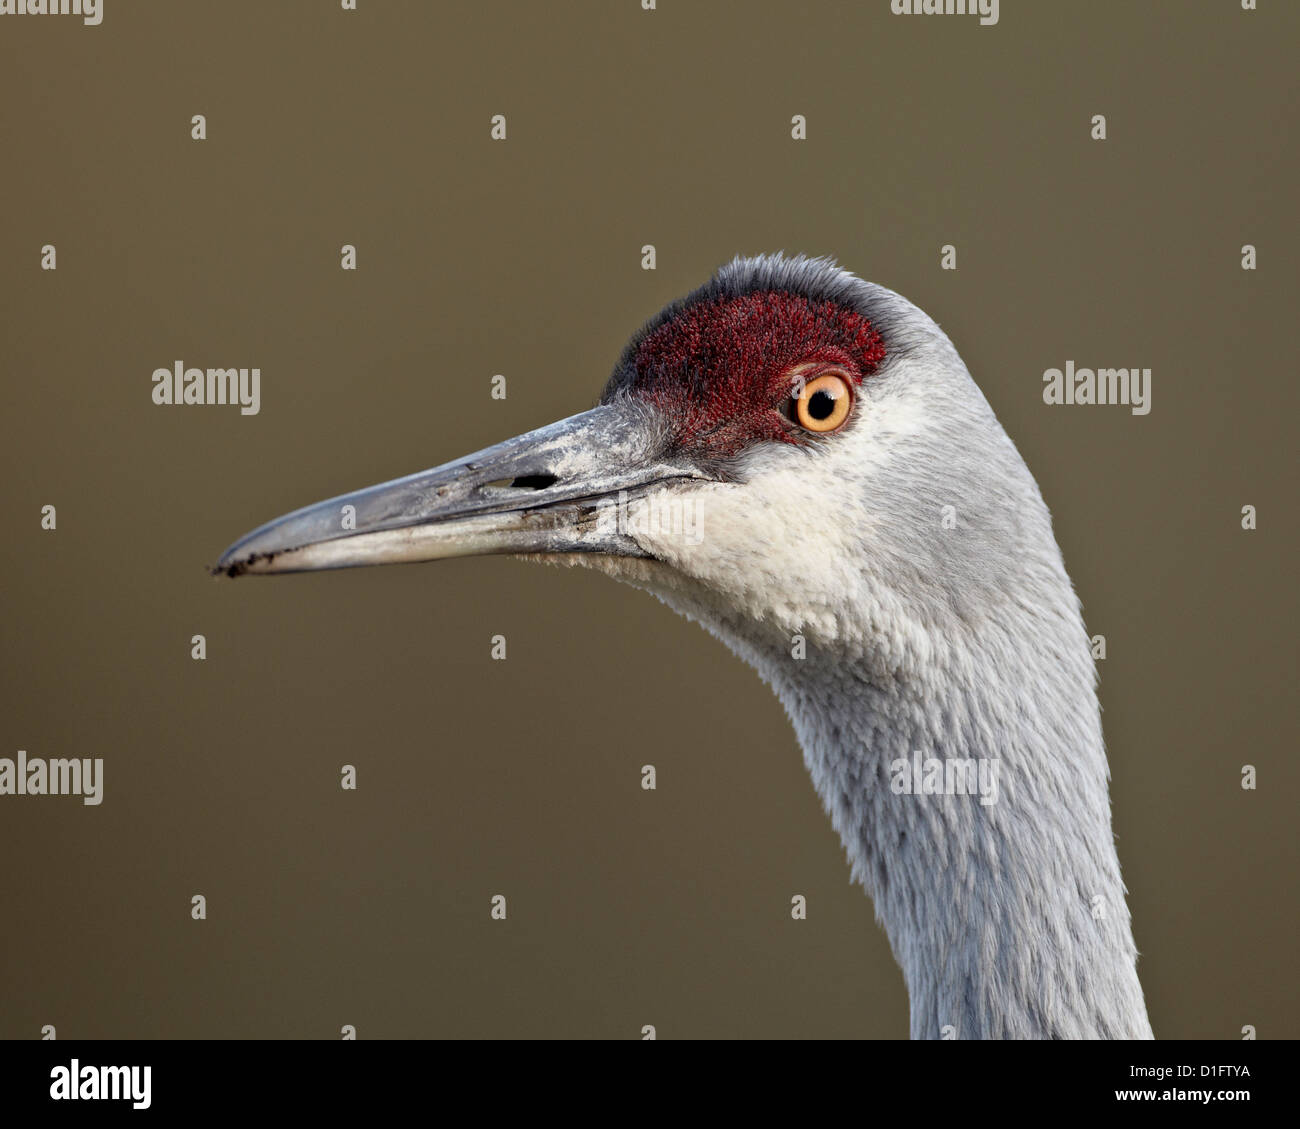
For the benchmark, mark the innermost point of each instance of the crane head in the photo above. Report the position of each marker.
(773, 447)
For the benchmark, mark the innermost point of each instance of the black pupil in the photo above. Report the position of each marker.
(820, 404)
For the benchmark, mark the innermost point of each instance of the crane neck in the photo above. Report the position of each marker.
(975, 811)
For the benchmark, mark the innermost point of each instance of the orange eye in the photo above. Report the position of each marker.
(823, 403)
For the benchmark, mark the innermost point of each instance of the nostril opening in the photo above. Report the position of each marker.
(534, 481)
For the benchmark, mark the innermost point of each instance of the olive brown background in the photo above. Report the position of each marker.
(523, 257)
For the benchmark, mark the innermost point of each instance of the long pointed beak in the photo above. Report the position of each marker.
(558, 489)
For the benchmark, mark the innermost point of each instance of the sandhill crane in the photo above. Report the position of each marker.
(800, 461)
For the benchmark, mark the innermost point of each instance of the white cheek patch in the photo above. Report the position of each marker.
(786, 547)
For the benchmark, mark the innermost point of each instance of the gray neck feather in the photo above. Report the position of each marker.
(1009, 918)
